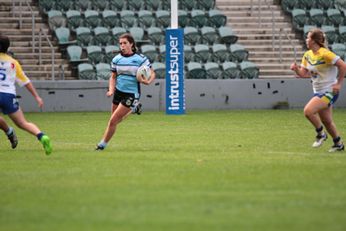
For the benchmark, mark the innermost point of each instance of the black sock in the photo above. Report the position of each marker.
(319, 130)
(337, 140)
(39, 135)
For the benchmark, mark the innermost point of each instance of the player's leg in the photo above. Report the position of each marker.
(10, 133)
(311, 110)
(19, 119)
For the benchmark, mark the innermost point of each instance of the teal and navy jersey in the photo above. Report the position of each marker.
(126, 68)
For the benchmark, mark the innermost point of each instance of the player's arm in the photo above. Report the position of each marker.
(341, 75)
(300, 71)
(111, 84)
(34, 93)
(151, 79)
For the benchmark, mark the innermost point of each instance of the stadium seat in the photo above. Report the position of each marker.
(334, 17)
(102, 37)
(195, 71)
(84, 36)
(305, 4)
(74, 19)
(153, 5)
(99, 5)
(209, 35)
(220, 53)
(86, 71)
(46, 5)
(160, 70)
(166, 5)
(127, 18)
(92, 18)
(118, 5)
(150, 52)
(330, 33)
(56, 19)
(134, 5)
(95, 54)
(202, 53)
(198, 18)
(103, 71)
(187, 4)
(217, 18)
(316, 17)
(138, 35)
(288, 5)
(162, 53)
(238, 53)
(83, 5)
(307, 29)
(340, 4)
(163, 18)
(339, 49)
(146, 18)
(299, 19)
(342, 34)
(183, 18)
(110, 52)
(324, 4)
(74, 54)
(248, 70)
(227, 36)
(206, 4)
(63, 5)
(156, 35)
(230, 70)
(110, 18)
(191, 35)
(189, 55)
(213, 70)
(117, 32)
(64, 37)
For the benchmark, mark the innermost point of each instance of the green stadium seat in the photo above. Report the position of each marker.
(74, 19)
(156, 35)
(191, 35)
(342, 34)
(103, 71)
(117, 32)
(340, 4)
(163, 18)
(56, 19)
(127, 18)
(110, 18)
(84, 36)
(205, 4)
(217, 18)
(63, 5)
(195, 71)
(145, 18)
(299, 19)
(74, 54)
(198, 18)
(187, 4)
(305, 4)
(220, 53)
(227, 36)
(160, 70)
(213, 70)
(83, 5)
(189, 55)
(339, 49)
(92, 18)
(330, 32)
(118, 5)
(202, 53)
(248, 70)
(288, 5)
(86, 71)
(134, 5)
(238, 53)
(209, 35)
(46, 5)
(138, 34)
(316, 17)
(95, 54)
(334, 17)
(150, 52)
(230, 70)
(183, 18)
(324, 4)
(99, 5)
(63, 35)
(166, 5)
(153, 5)
(102, 37)
(110, 52)
(162, 53)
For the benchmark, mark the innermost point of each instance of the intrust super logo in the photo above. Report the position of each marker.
(175, 99)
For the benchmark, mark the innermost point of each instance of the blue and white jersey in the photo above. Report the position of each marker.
(126, 68)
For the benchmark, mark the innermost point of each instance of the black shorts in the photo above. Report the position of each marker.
(124, 98)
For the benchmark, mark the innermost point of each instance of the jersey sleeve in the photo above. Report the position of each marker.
(330, 57)
(21, 77)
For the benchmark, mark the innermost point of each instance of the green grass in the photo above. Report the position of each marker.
(224, 170)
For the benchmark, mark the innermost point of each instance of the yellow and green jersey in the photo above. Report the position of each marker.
(322, 67)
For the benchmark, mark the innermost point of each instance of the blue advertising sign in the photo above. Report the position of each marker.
(175, 91)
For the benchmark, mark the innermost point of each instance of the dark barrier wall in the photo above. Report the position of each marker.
(200, 95)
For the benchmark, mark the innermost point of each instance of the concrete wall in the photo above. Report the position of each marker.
(200, 95)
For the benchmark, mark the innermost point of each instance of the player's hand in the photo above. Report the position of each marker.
(336, 88)
(294, 67)
(109, 93)
(39, 101)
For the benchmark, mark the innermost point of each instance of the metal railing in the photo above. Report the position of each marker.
(291, 42)
(42, 32)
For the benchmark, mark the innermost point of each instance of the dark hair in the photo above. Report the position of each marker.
(4, 43)
(318, 36)
(129, 38)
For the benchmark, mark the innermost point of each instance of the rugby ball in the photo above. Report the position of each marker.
(143, 72)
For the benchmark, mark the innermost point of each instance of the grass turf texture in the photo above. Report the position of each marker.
(224, 170)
